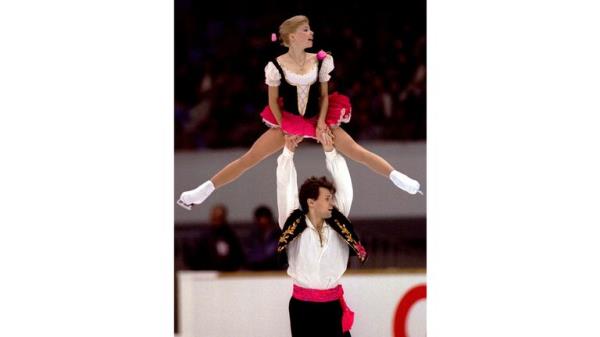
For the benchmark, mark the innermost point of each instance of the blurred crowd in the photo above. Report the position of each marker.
(220, 55)
(221, 248)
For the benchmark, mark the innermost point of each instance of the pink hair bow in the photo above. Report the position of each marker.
(321, 55)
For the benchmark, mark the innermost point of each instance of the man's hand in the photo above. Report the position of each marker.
(292, 141)
(324, 134)
(327, 147)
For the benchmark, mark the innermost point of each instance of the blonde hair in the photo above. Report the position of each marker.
(289, 26)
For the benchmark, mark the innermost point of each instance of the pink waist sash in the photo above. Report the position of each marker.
(327, 295)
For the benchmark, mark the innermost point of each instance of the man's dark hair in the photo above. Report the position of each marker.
(263, 211)
(310, 189)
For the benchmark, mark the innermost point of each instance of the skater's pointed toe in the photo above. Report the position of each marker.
(405, 183)
(184, 205)
(196, 196)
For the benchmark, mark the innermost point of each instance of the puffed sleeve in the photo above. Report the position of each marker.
(326, 67)
(272, 75)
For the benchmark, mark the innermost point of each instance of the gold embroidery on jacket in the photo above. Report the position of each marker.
(347, 235)
(285, 235)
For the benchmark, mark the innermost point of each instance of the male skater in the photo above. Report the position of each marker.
(319, 239)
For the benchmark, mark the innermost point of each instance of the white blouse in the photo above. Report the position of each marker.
(310, 264)
(301, 81)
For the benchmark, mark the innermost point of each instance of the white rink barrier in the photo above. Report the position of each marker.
(387, 303)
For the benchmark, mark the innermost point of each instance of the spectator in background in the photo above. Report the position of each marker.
(262, 243)
(220, 249)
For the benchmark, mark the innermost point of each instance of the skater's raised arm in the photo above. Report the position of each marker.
(337, 167)
(287, 180)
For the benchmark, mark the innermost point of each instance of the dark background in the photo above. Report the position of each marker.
(379, 50)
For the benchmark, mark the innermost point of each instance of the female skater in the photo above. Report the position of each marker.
(299, 104)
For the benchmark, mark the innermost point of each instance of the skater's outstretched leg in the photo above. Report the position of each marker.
(347, 146)
(268, 143)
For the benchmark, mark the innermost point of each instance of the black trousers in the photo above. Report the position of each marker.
(316, 319)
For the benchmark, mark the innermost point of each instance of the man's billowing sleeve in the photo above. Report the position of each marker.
(336, 165)
(287, 185)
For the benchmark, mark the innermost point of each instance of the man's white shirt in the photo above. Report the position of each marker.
(312, 265)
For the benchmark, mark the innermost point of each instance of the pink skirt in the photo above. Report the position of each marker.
(339, 111)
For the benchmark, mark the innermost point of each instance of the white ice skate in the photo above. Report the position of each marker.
(405, 183)
(196, 196)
